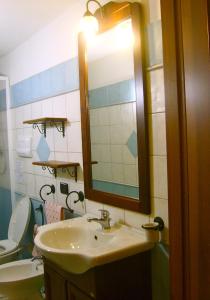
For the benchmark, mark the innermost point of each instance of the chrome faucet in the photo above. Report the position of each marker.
(104, 221)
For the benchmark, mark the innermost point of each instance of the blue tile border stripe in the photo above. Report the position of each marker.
(116, 188)
(117, 93)
(60, 79)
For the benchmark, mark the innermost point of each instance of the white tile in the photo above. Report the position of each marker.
(157, 91)
(59, 106)
(115, 115)
(116, 135)
(62, 156)
(27, 113)
(35, 138)
(77, 157)
(135, 219)
(51, 137)
(36, 110)
(103, 114)
(93, 207)
(94, 117)
(157, 134)
(154, 10)
(74, 137)
(117, 173)
(105, 153)
(13, 118)
(96, 172)
(19, 117)
(100, 135)
(95, 152)
(131, 175)
(30, 185)
(106, 171)
(127, 156)
(127, 113)
(47, 107)
(29, 168)
(60, 142)
(116, 153)
(73, 106)
(158, 177)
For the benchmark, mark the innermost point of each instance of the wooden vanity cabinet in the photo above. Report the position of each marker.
(126, 279)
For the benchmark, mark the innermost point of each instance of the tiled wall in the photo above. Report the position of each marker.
(69, 148)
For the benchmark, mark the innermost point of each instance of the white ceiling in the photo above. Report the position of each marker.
(19, 19)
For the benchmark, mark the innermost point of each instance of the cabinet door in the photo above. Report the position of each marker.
(55, 285)
(76, 294)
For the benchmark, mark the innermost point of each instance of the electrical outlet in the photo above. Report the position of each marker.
(64, 188)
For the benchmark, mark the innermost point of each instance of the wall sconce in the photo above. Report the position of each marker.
(89, 24)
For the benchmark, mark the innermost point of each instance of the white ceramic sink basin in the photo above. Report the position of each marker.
(77, 245)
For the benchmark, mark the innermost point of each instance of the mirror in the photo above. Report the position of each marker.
(113, 114)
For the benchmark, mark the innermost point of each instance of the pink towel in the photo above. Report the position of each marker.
(53, 212)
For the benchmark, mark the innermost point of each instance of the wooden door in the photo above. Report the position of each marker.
(187, 86)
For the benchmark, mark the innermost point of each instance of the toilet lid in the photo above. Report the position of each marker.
(19, 220)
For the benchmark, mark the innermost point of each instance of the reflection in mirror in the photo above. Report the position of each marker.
(113, 114)
(112, 111)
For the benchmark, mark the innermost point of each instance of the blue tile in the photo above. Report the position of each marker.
(132, 144)
(43, 149)
(114, 95)
(57, 79)
(98, 98)
(132, 89)
(35, 87)
(45, 83)
(71, 75)
(116, 188)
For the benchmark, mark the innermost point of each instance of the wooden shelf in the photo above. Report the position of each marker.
(53, 165)
(51, 121)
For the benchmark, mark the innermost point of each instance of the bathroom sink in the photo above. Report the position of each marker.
(76, 245)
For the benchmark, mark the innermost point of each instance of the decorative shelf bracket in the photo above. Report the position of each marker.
(41, 124)
(41, 128)
(60, 128)
(53, 165)
(52, 171)
(74, 173)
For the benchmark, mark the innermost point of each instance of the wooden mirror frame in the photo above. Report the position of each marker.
(114, 13)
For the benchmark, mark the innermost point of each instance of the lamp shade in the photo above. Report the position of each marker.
(89, 25)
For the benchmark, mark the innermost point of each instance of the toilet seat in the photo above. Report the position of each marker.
(17, 227)
(7, 246)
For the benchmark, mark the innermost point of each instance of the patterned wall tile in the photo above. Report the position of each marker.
(43, 149)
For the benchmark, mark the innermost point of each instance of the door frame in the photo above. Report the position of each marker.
(186, 75)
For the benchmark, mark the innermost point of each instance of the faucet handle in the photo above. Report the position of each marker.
(104, 213)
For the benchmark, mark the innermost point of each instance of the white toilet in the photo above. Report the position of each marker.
(18, 225)
(21, 280)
